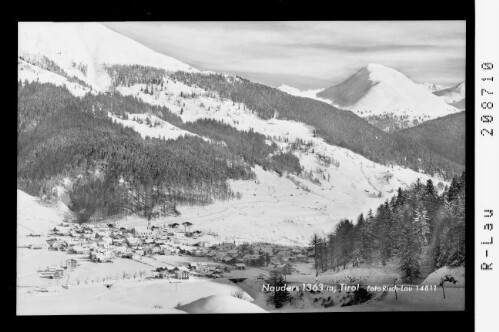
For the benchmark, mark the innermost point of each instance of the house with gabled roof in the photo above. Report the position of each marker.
(240, 266)
(198, 266)
(71, 264)
(142, 232)
(284, 268)
(181, 272)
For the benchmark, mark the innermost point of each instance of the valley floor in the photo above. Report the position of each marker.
(274, 209)
(132, 288)
(87, 291)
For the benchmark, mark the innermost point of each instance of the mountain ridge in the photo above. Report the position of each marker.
(454, 95)
(74, 47)
(432, 87)
(376, 89)
(445, 136)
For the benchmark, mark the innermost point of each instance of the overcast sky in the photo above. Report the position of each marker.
(309, 54)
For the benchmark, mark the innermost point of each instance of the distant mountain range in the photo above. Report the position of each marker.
(455, 96)
(432, 87)
(387, 98)
(445, 136)
(305, 93)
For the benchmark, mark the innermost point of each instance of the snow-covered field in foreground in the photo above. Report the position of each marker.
(137, 297)
(456, 272)
(414, 300)
(29, 261)
(221, 304)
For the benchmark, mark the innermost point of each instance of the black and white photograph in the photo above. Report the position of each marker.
(213, 167)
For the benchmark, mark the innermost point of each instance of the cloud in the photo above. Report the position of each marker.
(309, 54)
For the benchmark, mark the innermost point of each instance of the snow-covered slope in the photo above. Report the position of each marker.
(454, 95)
(377, 90)
(82, 49)
(432, 87)
(456, 272)
(219, 304)
(32, 73)
(150, 126)
(299, 93)
(34, 216)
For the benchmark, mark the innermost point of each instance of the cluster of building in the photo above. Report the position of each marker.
(54, 272)
(103, 242)
(258, 255)
(202, 269)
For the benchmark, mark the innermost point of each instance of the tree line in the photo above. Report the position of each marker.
(416, 227)
(60, 135)
(127, 75)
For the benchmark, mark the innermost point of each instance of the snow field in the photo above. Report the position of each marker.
(436, 276)
(217, 304)
(158, 128)
(156, 296)
(312, 94)
(69, 43)
(30, 73)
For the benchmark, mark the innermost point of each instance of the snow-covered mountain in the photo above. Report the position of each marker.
(306, 93)
(82, 50)
(336, 182)
(432, 87)
(379, 90)
(454, 96)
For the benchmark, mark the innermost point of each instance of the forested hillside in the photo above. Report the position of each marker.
(337, 127)
(60, 135)
(392, 122)
(445, 136)
(416, 221)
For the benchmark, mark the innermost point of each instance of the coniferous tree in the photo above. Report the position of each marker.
(368, 244)
(408, 246)
(316, 243)
(359, 238)
(431, 202)
(387, 232)
(345, 241)
(421, 226)
(280, 295)
(401, 229)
